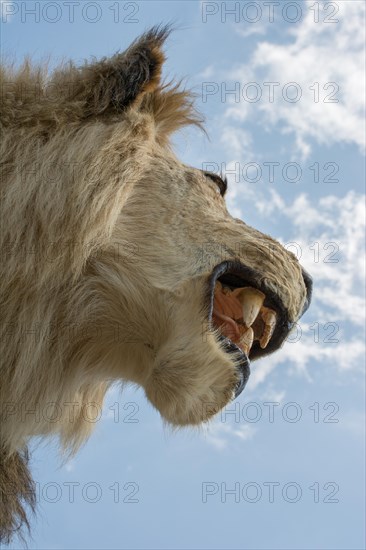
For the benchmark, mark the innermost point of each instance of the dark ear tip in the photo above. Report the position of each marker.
(152, 61)
(157, 35)
(122, 80)
(145, 59)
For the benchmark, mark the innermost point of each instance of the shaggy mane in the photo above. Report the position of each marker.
(32, 95)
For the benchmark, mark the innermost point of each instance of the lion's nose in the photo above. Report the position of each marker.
(309, 289)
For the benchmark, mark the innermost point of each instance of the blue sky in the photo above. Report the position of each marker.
(283, 466)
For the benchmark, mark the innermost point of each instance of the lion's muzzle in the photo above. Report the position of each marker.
(251, 319)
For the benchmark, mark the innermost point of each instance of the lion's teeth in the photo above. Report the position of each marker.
(246, 340)
(251, 300)
(269, 317)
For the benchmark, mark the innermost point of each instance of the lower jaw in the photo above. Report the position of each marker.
(243, 364)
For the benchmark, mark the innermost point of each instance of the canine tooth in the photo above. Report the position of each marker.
(246, 340)
(269, 317)
(251, 301)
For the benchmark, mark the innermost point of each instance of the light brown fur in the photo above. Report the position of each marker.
(105, 260)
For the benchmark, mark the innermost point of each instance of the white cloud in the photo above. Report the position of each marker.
(220, 434)
(208, 72)
(239, 143)
(259, 27)
(273, 395)
(338, 225)
(70, 466)
(237, 140)
(301, 356)
(319, 53)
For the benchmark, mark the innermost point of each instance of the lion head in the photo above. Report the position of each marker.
(119, 261)
(123, 263)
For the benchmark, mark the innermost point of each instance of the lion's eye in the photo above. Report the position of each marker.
(220, 182)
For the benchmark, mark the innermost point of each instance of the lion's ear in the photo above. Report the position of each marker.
(118, 82)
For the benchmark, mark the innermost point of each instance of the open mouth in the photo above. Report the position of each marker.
(251, 319)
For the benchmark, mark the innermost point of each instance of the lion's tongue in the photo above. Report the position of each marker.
(228, 326)
(241, 336)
